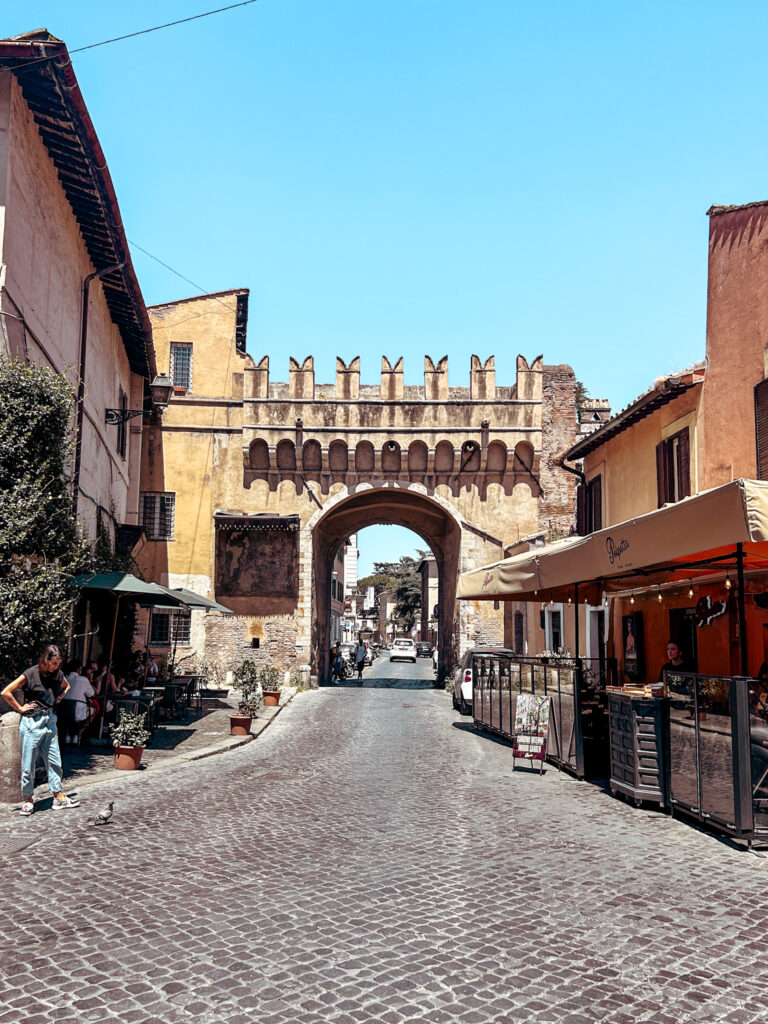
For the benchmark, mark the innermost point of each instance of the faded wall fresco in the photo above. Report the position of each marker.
(263, 562)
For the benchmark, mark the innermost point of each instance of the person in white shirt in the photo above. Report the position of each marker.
(359, 658)
(80, 689)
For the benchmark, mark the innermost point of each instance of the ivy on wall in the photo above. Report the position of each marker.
(40, 546)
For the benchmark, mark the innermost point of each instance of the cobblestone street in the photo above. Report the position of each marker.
(371, 858)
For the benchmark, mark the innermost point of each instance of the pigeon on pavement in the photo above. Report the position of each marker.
(102, 818)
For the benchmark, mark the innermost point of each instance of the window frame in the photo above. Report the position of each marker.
(187, 348)
(159, 524)
(673, 467)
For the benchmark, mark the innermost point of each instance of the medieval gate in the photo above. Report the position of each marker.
(269, 478)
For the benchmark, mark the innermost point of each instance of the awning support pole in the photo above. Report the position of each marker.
(578, 725)
(103, 695)
(741, 608)
(576, 619)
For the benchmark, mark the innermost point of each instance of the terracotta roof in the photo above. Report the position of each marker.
(50, 89)
(198, 298)
(715, 211)
(663, 391)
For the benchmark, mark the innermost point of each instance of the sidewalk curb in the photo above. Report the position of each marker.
(229, 743)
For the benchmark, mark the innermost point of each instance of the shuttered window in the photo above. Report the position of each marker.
(673, 468)
(589, 506)
(519, 633)
(761, 428)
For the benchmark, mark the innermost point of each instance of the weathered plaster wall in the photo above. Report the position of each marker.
(737, 314)
(45, 262)
(627, 461)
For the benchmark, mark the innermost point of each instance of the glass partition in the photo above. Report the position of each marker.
(499, 679)
(683, 746)
(710, 743)
(758, 744)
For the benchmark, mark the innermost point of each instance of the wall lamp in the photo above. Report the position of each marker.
(161, 390)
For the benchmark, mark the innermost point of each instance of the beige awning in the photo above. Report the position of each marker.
(703, 529)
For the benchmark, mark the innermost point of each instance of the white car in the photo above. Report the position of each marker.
(405, 649)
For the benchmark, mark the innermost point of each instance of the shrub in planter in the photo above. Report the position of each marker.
(271, 681)
(246, 679)
(129, 737)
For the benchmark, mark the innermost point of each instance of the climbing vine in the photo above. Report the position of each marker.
(40, 546)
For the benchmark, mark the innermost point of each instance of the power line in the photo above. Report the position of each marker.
(140, 32)
(189, 280)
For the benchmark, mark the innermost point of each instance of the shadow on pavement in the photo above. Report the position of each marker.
(382, 684)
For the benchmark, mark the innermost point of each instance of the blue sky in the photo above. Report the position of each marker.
(433, 176)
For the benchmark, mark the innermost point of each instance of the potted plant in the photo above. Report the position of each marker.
(246, 680)
(271, 680)
(129, 737)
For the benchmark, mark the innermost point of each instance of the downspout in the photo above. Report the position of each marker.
(570, 469)
(81, 377)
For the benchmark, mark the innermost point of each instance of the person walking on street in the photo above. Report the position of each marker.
(41, 687)
(360, 653)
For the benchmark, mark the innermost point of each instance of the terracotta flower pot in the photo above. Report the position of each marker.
(128, 759)
(240, 725)
(271, 698)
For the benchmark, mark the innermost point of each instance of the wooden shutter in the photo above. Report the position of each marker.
(661, 472)
(519, 633)
(761, 428)
(683, 464)
(596, 504)
(581, 510)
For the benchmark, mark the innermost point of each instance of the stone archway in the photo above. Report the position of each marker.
(373, 506)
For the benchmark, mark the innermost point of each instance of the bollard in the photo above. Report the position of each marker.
(10, 761)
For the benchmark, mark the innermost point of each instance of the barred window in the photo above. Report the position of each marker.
(157, 513)
(181, 364)
(160, 635)
(170, 627)
(180, 627)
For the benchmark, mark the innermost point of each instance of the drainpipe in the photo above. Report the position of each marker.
(570, 469)
(81, 380)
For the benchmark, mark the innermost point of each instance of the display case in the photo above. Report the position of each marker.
(637, 727)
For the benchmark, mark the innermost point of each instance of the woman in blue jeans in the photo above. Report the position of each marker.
(41, 687)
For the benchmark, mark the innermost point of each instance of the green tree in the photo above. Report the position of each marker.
(40, 546)
(402, 580)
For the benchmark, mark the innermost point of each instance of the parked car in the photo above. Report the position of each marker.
(403, 649)
(462, 681)
(424, 649)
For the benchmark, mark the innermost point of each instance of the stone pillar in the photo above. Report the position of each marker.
(10, 758)
(529, 379)
(301, 379)
(482, 379)
(436, 379)
(348, 379)
(391, 380)
(257, 380)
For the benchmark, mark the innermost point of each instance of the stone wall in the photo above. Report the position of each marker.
(559, 429)
(229, 638)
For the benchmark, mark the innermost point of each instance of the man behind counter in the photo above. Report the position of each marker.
(676, 663)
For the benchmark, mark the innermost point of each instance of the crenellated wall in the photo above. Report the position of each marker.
(281, 472)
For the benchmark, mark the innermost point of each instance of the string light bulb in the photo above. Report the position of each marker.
(728, 583)
(659, 597)
(690, 591)
(570, 599)
(632, 599)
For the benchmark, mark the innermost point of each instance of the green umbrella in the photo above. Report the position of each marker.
(196, 601)
(123, 584)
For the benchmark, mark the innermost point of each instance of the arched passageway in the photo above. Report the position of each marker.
(430, 520)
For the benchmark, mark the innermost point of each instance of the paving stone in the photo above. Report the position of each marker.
(366, 863)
